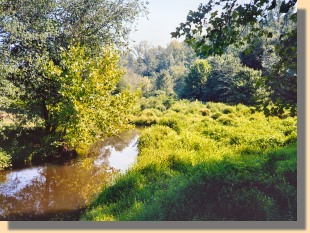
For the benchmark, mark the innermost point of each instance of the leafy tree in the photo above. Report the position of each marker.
(209, 31)
(282, 77)
(87, 106)
(134, 82)
(231, 82)
(179, 54)
(218, 24)
(146, 62)
(178, 73)
(163, 68)
(251, 56)
(164, 82)
(33, 33)
(195, 82)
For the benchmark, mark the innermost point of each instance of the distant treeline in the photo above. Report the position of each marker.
(256, 73)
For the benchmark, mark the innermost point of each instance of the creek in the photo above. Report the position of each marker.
(62, 191)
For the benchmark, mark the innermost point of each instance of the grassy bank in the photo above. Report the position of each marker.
(206, 162)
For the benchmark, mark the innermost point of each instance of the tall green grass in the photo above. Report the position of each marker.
(206, 162)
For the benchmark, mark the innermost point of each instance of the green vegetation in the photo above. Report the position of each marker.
(206, 162)
(264, 31)
(157, 69)
(59, 74)
(232, 82)
(88, 106)
(197, 79)
(4, 160)
(219, 109)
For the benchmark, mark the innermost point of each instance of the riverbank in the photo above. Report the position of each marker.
(206, 162)
(27, 146)
(62, 191)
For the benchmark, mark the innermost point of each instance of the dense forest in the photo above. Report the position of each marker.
(217, 112)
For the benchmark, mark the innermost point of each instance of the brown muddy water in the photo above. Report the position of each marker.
(62, 191)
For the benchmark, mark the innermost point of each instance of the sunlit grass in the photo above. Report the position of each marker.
(206, 162)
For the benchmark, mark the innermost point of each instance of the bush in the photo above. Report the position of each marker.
(5, 160)
(216, 115)
(171, 123)
(192, 167)
(144, 121)
(243, 110)
(228, 110)
(152, 137)
(204, 112)
(216, 107)
(226, 120)
(151, 113)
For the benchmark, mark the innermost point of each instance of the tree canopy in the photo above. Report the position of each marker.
(87, 107)
(217, 24)
(267, 32)
(196, 81)
(36, 37)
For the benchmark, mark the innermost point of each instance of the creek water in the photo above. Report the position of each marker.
(62, 191)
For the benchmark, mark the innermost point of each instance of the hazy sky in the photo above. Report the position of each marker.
(164, 17)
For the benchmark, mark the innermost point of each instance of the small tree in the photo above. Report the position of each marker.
(32, 33)
(87, 109)
(195, 82)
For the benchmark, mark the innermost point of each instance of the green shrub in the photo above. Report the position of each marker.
(171, 123)
(243, 110)
(216, 115)
(216, 107)
(228, 110)
(153, 136)
(226, 120)
(180, 106)
(151, 113)
(291, 138)
(27, 145)
(168, 102)
(5, 160)
(192, 167)
(152, 102)
(144, 121)
(204, 112)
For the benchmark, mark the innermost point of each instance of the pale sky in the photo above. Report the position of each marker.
(164, 17)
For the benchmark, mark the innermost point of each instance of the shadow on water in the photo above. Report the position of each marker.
(62, 191)
(60, 215)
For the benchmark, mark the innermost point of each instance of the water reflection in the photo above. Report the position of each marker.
(60, 192)
(118, 157)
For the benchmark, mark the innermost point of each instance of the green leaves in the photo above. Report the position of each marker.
(270, 21)
(234, 18)
(231, 82)
(286, 6)
(197, 78)
(5, 160)
(61, 85)
(87, 108)
(273, 5)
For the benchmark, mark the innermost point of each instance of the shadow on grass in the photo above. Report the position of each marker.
(256, 188)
